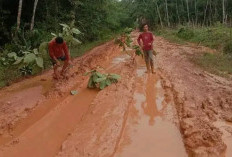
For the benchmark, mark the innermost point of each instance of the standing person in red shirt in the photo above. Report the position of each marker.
(147, 47)
(58, 51)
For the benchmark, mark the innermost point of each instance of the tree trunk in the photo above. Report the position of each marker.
(161, 22)
(33, 16)
(177, 12)
(205, 12)
(19, 14)
(167, 13)
(187, 4)
(196, 15)
(223, 12)
(211, 13)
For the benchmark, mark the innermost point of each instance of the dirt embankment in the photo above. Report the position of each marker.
(203, 100)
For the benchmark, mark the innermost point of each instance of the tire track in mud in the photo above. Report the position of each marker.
(59, 115)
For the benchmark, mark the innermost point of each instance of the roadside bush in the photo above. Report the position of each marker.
(228, 48)
(185, 33)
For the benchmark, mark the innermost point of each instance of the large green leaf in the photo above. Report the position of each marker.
(76, 40)
(95, 77)
(76, 31)
(115, 76)
(36, 51)
(91, 83)
(39, 62)
(29, 58)
(108, 82)
(64, 25)
(43, 47)
(98, 80)
(12, 55)
(102, 85)
(74, 92)
(18, 60)
(99, 74)
(53, 34)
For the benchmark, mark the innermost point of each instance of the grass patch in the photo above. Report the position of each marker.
(170, 34)
(215, 63)
(218, 37)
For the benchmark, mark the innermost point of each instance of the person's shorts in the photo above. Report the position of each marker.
(62, 58)
(148, 56)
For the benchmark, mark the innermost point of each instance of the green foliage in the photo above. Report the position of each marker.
(185, 33)
(99, 80)
(228, 47)
(26, 70)
(138, 51)
(69, 34)
(216, 37)
(215, 63)
(125, 40)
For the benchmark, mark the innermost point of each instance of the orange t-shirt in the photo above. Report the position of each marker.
(58, 50)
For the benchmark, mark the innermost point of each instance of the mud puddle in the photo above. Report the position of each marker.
(149, 128)
(48, 133)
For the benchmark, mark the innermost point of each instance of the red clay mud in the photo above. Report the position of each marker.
(201, 99)
(180, 111)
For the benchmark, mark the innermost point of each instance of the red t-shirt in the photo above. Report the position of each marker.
(147, 38)
(58, 50)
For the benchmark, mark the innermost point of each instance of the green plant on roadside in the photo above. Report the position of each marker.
(99, 80)
(185, 33)
(23, 59)
(69, 33)
(215, 63)
(228, 47)
(138, 51)
(126, 41)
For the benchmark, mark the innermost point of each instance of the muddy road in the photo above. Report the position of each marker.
(179, 111)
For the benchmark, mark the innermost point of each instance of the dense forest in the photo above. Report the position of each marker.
(25, 24)
(96, 18)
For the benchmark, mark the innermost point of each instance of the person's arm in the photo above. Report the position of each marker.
(152, 40)
(66, 51)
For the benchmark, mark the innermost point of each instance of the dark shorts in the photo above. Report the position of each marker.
(63, 58)
(148, 55)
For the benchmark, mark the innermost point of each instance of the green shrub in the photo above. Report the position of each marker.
(215, 63)
(228, 48)
(185, 33)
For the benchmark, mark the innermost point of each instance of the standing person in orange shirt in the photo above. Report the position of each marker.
(58, 51)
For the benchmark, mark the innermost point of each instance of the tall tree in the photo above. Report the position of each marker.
(19, 14)
(167, 14)
(187, 5)
(33, 16)
(158, 11)
(223, 12)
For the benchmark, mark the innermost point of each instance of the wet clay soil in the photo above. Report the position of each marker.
(179, 111)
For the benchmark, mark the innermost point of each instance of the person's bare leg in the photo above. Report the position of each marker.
(148, 67)
(64, 69)
(152, 66)
(146, 58)
(55, 68)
